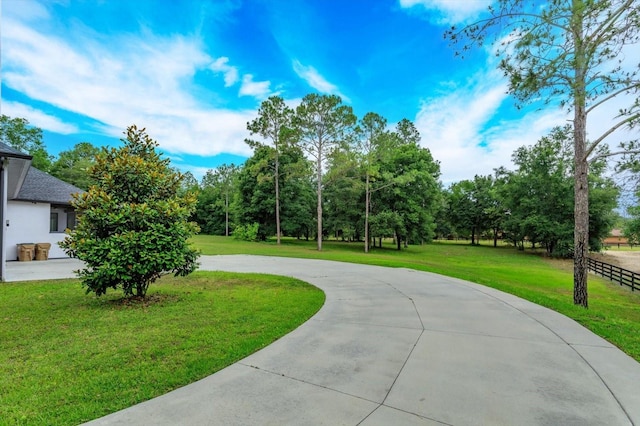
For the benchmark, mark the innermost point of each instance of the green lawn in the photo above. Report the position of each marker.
(67, 357)
(614, 312)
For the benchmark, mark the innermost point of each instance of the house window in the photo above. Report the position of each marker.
(53, 224)
(71, 220)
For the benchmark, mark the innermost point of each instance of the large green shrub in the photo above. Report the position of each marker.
(246, 232)
(133, 224)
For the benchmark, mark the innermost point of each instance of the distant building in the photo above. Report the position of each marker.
(615, 238)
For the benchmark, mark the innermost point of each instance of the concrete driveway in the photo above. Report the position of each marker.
(51, 269)
(401, 347)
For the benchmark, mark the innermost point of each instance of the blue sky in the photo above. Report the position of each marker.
(193, 72)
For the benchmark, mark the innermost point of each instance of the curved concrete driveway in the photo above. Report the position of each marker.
(400, 347)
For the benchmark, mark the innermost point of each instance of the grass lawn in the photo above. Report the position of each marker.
(67, 357)
(614, 312)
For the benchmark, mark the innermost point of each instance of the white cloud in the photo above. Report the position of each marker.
(37, 118)
(315, 80)
(196, 171)
(144, 80)
(24, 9)
(462, 133)
(257, 89)
(456, 128)
(248, 87)
(230, 73)
(603, 118)
(450, 11)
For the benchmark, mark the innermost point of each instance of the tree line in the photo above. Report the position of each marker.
(319, 170)
(374, 182)
(70, 166)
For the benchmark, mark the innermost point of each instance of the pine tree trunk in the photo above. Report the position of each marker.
(277, 177)
(366, 215)
(319, 193)
(581, 230)
(226, 213)
(581, 190)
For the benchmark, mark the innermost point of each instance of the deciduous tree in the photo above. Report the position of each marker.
(134, 224)
(19, 134)
(538, 195)
(256, 191)
(343, 195)
(73, 165)
(632, 226)
(471, 205)
(411, 196)
(215, 198)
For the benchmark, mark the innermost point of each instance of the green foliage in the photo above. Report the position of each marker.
(372, 147)
(572, 52)
(632, 226)
(189, 183)
(411, 195)
(472, 205)
(275, 125)
(215, 199)
(539, 196)
(321, 125)
(344, 196)
(352, 165)
(382, 185)
(19, 134)
(474, 208)
(133, 225)
(247, 232)
(256, 198)
(73, 166)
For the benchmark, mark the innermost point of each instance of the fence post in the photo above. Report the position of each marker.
(610, 272)
(621, 276)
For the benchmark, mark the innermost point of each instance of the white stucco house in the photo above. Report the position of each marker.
(35, 206)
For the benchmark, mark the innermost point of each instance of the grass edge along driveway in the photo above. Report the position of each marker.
(614, 311)
(68, 357)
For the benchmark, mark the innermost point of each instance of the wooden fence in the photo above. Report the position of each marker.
(615, 273)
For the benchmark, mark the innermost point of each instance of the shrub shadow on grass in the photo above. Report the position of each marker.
(160, 299)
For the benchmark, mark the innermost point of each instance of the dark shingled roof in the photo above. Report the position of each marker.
(42, 187)
(7, 151)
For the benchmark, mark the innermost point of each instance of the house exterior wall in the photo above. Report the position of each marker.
(30, 223)
(4, 175)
